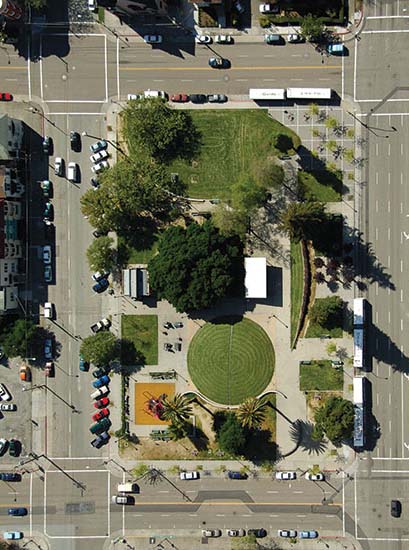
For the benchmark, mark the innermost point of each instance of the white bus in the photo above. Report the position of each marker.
(309, 93)
(358, 348)
(358, 382)
(359, 312)
(267, 93)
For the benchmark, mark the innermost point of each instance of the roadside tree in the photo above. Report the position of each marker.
(297, 219)
(313, 29)
(335, 419)
(101, 255)
(231, 437)
(327, 312)
(18, 337)
(99, 349)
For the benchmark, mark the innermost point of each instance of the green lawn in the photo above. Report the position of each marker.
(297, 286)
(232, 144)
(324, 186)
(230, 359)
(131, 254)
(321, 376)
(142, 330)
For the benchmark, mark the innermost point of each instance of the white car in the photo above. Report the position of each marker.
(13, 535)
(236, 532)
(315, 477)
(122, 499)
(152, 38)
(103, 165)
(189, 475)
(97, 157)
(72, 172)
(58, 166)
(268, 8)
(4, 394)
(47, 254)
(294, 38)
(287, 533)
(210, 533)
(203, 39)
(8, 407)
(286, 475)
(49, 310)
(223, 39)
(92, 5)
(130, 97)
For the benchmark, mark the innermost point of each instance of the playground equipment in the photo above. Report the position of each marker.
(154, 405)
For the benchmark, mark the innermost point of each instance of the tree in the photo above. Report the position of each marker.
(178, 430)
(177, 409)
(331, 348)
(17, 338)
(247, 195)
(313, 29)
(251, 412)
(101, 255)
(150, 126)
(298, 218)
(268, 174)
(335, 419)
(327, 312)
(131, 193)
(99, 349)
(230, 437)
(230, 222)
(284, 143)
(196, 267)
(313, 109)
(36, 4)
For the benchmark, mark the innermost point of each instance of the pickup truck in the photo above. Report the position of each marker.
(101, 325)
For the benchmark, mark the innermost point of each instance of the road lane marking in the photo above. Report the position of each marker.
(245, 68)
(376, 206)
(298, 492)
(11, 79)
(401, 148)
(401, 295)
(272, 491)
(301, 515)
(376, 233)
(389, 233)
(389, 206)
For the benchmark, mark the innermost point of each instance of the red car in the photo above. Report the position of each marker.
(5, 96)
(179, 98)
(100, 415)
(103, 402)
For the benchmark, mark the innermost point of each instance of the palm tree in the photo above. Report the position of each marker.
(176, 408)
(178, 430)
(297, 220)
(251, 412)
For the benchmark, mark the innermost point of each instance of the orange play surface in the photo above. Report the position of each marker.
(146, 391)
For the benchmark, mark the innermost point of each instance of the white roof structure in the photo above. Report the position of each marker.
(255, 279)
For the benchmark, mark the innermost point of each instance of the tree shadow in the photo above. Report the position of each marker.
(131, 358)
(301, 432)
(200, 440)
(259, 447)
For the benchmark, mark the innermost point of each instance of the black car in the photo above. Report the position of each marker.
(396, 508)
(99, 233)
(47, 145)
(8, 476)
(236, 475)
(258, 533)
(101, 371)
(95, 183)
(75, 140)
(198, 98)
(14, 447)
(219, 63)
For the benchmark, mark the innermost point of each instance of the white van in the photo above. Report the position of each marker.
(72, 173)
(155, 93)
(128, 488)
(99, 392)
(49, 310)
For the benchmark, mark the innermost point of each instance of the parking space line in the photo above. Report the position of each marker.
(29, 69)
(117, 68)
(31, 505)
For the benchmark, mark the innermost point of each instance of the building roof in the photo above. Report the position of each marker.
(255, 280)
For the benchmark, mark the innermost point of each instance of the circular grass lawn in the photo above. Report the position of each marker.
(230, 359)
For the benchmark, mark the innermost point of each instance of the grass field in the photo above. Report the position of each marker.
(297, 286)
(232, 144)
(321, 376)
(324, 186)
(231, 359)
(142, 330)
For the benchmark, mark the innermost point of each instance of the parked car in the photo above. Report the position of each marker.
(269, 8)
(203, 39)
(8, 407)
(103, 165)
(100, 286)
(97, 157)
(4, 444)
(223, 39)
(83, 365)
(135, 97)
(319, 476)
(294, 38)
(99, 415)
(217, 98)
(236, 475)
(103, 381)
(48, 274)
(179, 98)
(178, 324)
(308, 534)
(101, 371)
(101, 426)
(59, 166)
(13, 535)
(6, 96)
(236, 533)
(152, 39)
(103, 402)
(218, 63)
(4, 394)
(98, 146)
(258, 533)
(92, 5)
(48, 211)
(100, 440)
(46, 188)
(73, 172)
(48, 145)
(10, 476)
(189, 475)
(75, 141)
(47, 254)
(25, 373)
(100, 392)
(48, 348)
(287, 533)
(396, 508)
(49, 370)
(94, 183)
(286, 475)
(49, 310)
(274, 39)
(103, 324)
(122, 499)
(98, 275)
(239, 7)
(198, 98)
(17, 511)
(14, 447)
(211, 533)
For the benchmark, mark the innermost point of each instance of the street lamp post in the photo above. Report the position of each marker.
(72, 407)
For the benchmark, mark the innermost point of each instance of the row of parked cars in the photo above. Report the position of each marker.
(259, 533)
(100, 418)
(12, 445)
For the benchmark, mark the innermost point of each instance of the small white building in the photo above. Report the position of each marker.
(255, 280)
